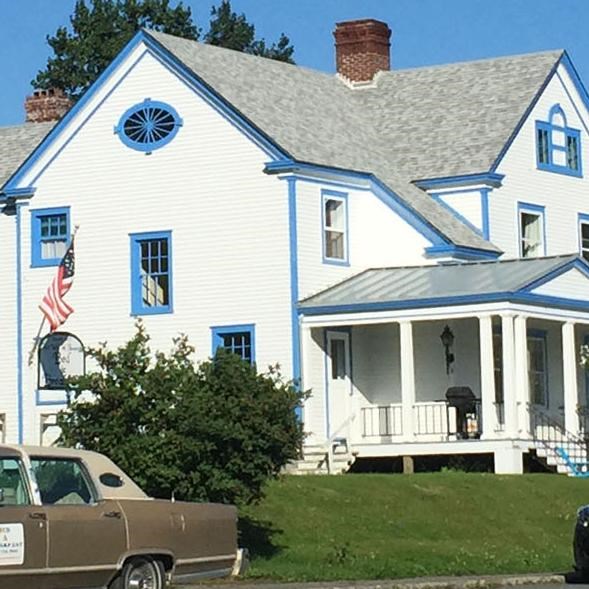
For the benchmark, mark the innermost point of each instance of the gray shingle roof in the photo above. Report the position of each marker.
(390, 285)
(16, 143)
(414, 124)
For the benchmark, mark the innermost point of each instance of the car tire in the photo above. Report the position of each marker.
(141, 572)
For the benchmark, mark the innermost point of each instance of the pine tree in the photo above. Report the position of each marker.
(99, 29)
(232, 30)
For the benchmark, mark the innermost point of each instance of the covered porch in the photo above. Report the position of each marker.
(463, 358)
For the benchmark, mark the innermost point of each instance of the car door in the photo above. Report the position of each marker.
(86, 536)
(23, 529)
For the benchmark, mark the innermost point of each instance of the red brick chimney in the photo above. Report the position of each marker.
(46, 105)
(362, 48)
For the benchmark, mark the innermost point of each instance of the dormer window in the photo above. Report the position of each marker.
(558, 147)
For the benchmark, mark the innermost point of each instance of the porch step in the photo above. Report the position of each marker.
(315, 461)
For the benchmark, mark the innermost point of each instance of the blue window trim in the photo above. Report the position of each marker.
(582, 219)
(343, 197)
(36, 260)
(148, 146)
(541, 334)
(526, 207)
(491, 179)
(137, 307)
(217, 331)
(549, 127)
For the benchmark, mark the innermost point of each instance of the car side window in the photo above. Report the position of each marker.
(13, 485)
(62, 481)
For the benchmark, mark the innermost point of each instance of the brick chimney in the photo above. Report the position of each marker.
(362, 48)
(46, 105)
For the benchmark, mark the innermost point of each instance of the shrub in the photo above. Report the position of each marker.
(215, 431)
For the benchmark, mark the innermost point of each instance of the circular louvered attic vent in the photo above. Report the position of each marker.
(149, 125)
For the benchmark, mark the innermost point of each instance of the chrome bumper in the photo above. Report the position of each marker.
(242, 562)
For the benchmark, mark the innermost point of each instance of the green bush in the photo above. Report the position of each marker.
(216, 431)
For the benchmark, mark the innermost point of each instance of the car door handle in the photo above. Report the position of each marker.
(38, 515)
(114, 514)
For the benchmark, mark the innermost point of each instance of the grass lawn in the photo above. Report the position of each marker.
(383, 526)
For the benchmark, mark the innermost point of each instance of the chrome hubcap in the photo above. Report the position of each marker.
(143, 577)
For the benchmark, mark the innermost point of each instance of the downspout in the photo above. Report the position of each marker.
(294, 284)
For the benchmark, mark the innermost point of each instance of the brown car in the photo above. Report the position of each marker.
(73, 519)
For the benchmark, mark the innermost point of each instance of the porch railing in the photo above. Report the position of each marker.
(430, 418)
(382, 420)
(551, 435)
(434, 418)
(583, 414)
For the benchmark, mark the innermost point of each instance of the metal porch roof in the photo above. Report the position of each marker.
(443, 281)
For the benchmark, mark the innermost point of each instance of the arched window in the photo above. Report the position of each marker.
(149, 125)
(558, 146)
(61, 355)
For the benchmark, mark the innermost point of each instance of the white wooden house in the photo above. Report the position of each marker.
(336, 224)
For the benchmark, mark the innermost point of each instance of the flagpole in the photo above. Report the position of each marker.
(36, 342)
(38, 336)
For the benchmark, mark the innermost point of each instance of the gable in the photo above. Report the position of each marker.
(562, 90)
(572, 284)
(138, 73)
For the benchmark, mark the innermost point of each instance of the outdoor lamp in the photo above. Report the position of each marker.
(447, 338)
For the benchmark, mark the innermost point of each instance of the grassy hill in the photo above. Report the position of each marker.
(384, 526)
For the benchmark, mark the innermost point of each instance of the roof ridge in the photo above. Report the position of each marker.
(555, 52)
(248, 56)
(468, 263)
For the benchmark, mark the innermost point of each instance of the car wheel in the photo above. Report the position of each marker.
(140, 573)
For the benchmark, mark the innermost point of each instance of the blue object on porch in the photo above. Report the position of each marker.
(577, 469)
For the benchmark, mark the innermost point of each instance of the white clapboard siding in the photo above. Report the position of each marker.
(572, 284)
(467, 204)
(377, 237)
(229, 224)
(8, 312)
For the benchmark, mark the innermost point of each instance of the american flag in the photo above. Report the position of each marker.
(55, 309)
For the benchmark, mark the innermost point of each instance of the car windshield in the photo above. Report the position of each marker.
(13, 485)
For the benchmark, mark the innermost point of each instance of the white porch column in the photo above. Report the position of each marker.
(569, 373)
(407, 378)
(522, 385)
(489, 415)
(306, 348)
(509, 400)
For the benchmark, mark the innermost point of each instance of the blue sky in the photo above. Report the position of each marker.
(425, 32)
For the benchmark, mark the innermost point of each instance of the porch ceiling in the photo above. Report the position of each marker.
(447, 284)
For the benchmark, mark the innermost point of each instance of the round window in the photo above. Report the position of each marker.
(148, 125)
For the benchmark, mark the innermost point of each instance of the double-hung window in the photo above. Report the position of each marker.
(50, 234)
(238, 339)
(558, 146)
(151, 273)
(531, 231)
(584, 236)
(335, 227)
